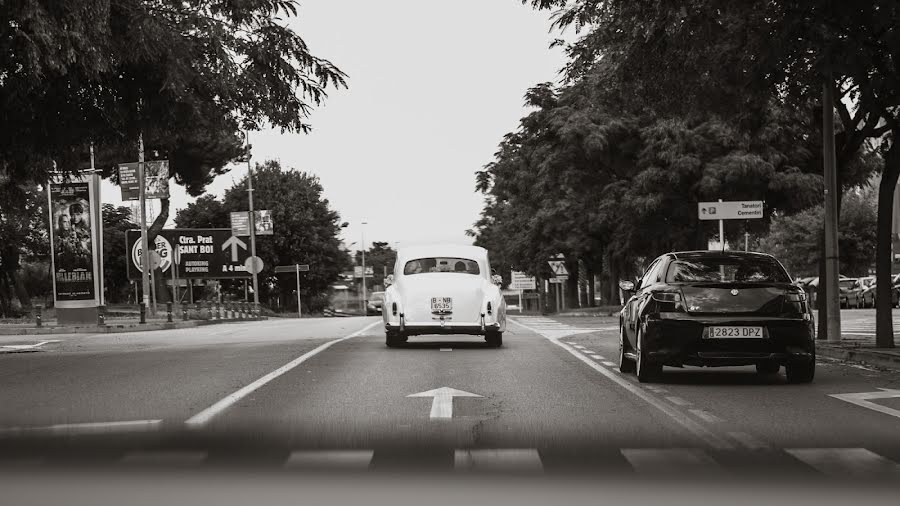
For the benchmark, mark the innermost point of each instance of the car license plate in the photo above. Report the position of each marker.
(736, 332)
(441, 304)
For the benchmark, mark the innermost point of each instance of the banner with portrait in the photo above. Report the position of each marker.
(74, 241)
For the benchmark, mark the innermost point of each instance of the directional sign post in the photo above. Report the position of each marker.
(442, 405)
(207, 253)
(296, 269)
(738, 210)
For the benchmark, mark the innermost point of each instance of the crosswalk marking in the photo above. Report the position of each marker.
(668, 461)
(165, 458)
(847, 462)
(556, 330)
(330, 459)
(506, 460)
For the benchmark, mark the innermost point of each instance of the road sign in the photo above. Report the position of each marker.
(442, 405)
(520, 281)
(254, 265)
(156, 179)
(558, 267)
(559, 279)
(205, 253)
(240, 223)
(281, 269)
(738, 210)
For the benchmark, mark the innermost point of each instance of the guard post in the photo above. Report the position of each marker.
(169, 312)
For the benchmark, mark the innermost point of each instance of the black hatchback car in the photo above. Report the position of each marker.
(714, 308)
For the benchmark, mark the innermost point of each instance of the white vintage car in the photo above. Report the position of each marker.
(443, 290)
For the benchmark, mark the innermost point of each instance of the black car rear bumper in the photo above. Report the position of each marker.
(678, 339)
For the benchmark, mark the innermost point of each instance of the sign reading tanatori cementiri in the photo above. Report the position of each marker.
(740, 210)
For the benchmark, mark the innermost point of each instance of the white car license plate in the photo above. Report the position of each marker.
(736, 332)
(441, 304)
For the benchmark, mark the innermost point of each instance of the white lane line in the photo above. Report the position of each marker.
(597, 357)
(847, 462)
(203, 417)
(446, 349)
(505, 460)
(689, 424)
(23, 347)
(748, 441)
(671, 461)
(580, 347)
(607, 363)
(655, 389)
(678, 401)
(589, 352)
(164, 458)
(83, 428)
(706, 416)
(330, 459)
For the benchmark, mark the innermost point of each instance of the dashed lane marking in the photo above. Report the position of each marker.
(669, 461)
(325, 459)
(73, 429)
(507, 460)
(704, 434)
(748, 441)
(847, 462)
(678, 401)
(597, 357)
(607, 363)
(706, 416)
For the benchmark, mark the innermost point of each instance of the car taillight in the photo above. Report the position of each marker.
(394, 309)
(489, 308)
(669, 301)
(795, 296)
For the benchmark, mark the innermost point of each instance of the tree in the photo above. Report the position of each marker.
(381, 258)
(306, 230)
(116, 222)
(732, 57)
(24, 235)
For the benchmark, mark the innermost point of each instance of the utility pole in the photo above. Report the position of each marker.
(832, 303)
(363, 301)
(252, 225)
(145, 245)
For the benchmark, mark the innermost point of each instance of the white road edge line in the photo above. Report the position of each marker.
(695, 428)
(203, 417)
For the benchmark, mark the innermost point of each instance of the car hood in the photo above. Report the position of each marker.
(755, 299)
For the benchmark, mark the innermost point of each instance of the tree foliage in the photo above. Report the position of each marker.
(116, 222)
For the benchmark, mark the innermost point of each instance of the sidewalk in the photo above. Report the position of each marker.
(860, 349)
(113, 325)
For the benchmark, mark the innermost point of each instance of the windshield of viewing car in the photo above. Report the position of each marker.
(441, 264)
(727, 270)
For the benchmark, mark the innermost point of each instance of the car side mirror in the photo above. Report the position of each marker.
(626, 286)
(497, 279)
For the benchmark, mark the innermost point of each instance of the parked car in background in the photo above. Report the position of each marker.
(870, 293)
(851, 292)
(373, 304)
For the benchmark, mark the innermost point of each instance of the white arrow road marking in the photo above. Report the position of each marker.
(442, 405)
(20, 347)
(234, 242)
(862, 399)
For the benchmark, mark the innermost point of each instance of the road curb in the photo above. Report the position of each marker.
(116, 329)
(887, 360)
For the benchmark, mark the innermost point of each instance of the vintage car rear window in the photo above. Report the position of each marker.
(727, 270)
(441, 264)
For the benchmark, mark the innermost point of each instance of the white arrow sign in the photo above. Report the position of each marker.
(442, 406)
(234, 242)
(863, 399)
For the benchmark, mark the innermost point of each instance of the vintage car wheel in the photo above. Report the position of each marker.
(768, 368)
(494, 339)
(626, 365)
(801, 371)
(393, 340)
(646, 370)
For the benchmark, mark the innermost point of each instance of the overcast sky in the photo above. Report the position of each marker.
(433, 87)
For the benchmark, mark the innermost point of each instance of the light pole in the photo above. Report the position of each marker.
(363, 246)
(252, 225)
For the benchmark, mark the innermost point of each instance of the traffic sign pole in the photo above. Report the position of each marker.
(145, 245)
(253, 227)
(299, 307)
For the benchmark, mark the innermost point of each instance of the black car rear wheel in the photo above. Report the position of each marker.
(646, 370)
(768, 368)
(626, 365)
(800, 371)
(393, 339)
(494, 339)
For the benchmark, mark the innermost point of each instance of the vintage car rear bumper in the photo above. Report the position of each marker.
(678, 339)
(420, 328)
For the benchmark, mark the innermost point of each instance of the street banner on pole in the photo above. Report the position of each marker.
(240, 223)
(75, 247)
(205, 253)
(156, 176)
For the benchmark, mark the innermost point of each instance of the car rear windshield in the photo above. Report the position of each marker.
(441, 264)
(727, 270)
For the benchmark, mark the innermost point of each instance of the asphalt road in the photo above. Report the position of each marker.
(326, 394)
